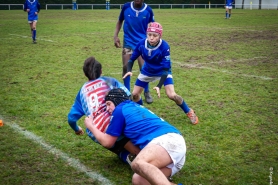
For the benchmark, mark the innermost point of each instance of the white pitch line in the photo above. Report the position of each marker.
(118, 73)
(23, 36)
(223, 71)
(75, 163)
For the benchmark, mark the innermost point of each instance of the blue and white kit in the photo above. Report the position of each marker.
(135, 23)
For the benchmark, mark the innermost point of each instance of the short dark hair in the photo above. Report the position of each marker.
(92, 68)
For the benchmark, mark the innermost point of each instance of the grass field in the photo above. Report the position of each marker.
(226, 70)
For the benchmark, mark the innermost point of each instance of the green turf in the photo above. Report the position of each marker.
(226, 70)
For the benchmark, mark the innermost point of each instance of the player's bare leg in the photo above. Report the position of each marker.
(170, 91)
(137, 90)
(125, 58)
(147, 93)
(33, 26)
(148, 164)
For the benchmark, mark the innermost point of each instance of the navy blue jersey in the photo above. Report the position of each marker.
(33, 6)
(156, 59)
(137, 123)
(135, 23)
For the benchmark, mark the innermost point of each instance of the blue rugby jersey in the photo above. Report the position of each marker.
(229, 2)
(34, 6)
(135, 23)
(156, 59)
(138, 124)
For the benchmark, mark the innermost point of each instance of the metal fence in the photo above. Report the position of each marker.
(154, 6)
(119, 6)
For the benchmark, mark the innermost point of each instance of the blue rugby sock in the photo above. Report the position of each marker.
(147, 89)
(127, 82)
(140, 102)
(184, 107)
(123, 155)
(34, 34)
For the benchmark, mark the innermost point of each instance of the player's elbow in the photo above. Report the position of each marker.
(71, 119)
(107, 145)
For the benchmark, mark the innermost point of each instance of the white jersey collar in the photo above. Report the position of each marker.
(151, 49)
(138, 11)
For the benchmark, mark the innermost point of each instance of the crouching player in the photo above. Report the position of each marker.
(162, 146)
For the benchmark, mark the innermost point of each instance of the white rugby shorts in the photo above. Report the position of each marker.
(174, 144)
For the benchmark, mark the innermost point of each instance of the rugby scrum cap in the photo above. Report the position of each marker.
(117, 96)
(155, 27)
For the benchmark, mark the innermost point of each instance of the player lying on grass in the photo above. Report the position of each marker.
(90, 102)
(157, 66)
(162, 146)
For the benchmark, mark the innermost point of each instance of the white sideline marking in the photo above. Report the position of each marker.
(23, 36)
(71, 161)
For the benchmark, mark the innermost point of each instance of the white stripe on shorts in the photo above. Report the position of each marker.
(145, 78)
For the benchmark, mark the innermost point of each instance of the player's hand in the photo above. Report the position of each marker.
(36, 13)
(28, 10)
(117, 42)
(88, 121)
(127, 74)
(80, 131)
(157, 91)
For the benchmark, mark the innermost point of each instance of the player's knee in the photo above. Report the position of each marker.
(176, 98)
(135, 165)
(136, 179)
(171, 96)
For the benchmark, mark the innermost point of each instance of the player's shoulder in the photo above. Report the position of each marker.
(148, 8)
(105, 78)
(120, 109)
(127, 5)
(109, 80)
(142, 41)
(165, 43)
(125, 106)
(164, 46)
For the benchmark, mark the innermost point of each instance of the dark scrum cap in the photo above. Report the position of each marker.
(117, 96)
